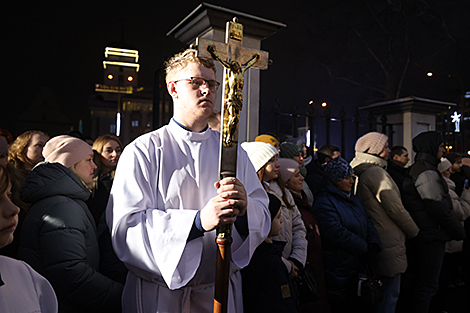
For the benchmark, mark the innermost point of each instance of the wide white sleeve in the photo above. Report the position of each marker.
(259, 220)
(46, 295)
(148, 238)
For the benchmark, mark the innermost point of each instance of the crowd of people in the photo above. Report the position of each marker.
(99, 227)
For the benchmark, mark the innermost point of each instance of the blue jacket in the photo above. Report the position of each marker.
(348, 235)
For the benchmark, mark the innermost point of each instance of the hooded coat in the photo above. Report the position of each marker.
(59, 241)
(426, 195)
(380, 197)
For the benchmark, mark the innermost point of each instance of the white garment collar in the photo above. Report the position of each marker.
(188, 135)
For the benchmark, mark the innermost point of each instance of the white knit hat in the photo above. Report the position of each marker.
(444, 165)
(259, 153)
(66, 150)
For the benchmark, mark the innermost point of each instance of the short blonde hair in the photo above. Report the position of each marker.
(180, 61)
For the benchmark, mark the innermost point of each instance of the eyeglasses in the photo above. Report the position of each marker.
(197, 82)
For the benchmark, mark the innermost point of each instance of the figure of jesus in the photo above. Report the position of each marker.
(233, 92)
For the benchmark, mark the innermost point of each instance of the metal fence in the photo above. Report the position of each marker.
(325, 127)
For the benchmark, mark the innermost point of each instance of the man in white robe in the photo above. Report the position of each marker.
(167, 200)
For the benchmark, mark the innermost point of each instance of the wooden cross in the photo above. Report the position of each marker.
(236, 60)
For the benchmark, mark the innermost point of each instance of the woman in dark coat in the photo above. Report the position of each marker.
(59, 235)
(347, 232)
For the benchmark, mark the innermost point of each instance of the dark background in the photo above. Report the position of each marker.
(347, 53)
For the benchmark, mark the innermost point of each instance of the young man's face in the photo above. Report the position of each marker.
(336, 154)
(192, 104)
(457, 166)
(401, 160)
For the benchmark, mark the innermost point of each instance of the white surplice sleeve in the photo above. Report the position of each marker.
(143, 234)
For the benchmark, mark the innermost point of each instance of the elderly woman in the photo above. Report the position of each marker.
(380, 196)
(59, 235)
(348, 235)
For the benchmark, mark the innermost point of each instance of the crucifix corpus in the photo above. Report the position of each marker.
(236, 60)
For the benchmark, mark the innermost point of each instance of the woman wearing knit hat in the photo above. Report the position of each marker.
(295, 152)
(58, 237)
(348, 235)
(265, 160)
(292, 178)
(382, 201)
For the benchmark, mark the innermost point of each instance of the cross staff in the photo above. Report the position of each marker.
(236, 60)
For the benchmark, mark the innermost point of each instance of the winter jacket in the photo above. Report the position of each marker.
(293, 229)
(426, 197)
(397, 173)
(381, 200)
(266, 283)
(461, 210)
(59, 241)
(347, 236)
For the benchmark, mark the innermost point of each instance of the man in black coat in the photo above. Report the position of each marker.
(396, 165)
(426, 197)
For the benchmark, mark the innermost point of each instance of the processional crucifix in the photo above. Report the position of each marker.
(236, 60)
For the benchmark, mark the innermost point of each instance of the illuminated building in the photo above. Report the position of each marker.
(119, 105)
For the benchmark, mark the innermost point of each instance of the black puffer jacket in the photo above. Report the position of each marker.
(58, 240)
(426, 195)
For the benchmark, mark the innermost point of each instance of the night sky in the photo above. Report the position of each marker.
(342, 52)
